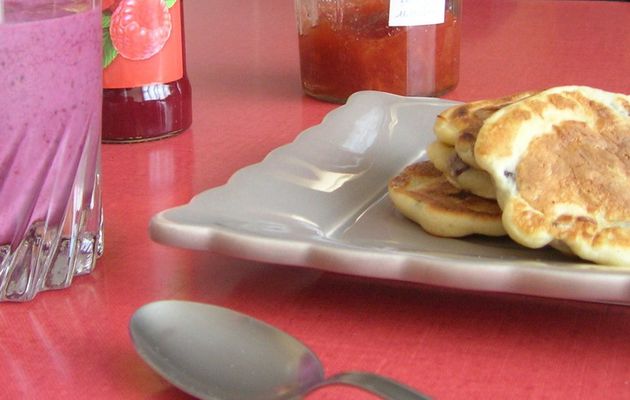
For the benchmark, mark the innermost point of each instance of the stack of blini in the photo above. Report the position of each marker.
(546, 168)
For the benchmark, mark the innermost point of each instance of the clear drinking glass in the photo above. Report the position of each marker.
(50, 125)
(403, 47)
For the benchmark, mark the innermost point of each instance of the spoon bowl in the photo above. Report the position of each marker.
(215, 353)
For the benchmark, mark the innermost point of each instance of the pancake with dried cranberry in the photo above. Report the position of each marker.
(460, 174)
(458, 125)
(560, 161)
(422, 193)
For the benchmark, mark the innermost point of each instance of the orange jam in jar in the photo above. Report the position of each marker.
(351, 45)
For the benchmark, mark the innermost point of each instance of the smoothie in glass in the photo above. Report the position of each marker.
(50, 116)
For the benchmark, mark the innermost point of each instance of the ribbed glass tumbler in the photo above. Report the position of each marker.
(50, 124)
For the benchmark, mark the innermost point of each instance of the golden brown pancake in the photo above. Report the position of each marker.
(422, 193)
(560, 161)
(460, 174)
(458, 126)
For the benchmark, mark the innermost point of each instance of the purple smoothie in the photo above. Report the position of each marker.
(50, 112)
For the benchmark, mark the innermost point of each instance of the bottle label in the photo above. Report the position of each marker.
(142, 42)
(416, 12)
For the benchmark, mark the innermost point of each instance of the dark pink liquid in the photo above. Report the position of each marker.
(50, 111)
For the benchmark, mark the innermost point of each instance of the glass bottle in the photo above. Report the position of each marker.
(146, 91)
(397, 46)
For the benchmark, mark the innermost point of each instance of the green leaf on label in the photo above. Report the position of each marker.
(109, 51)
(106, 20)
(170, 3)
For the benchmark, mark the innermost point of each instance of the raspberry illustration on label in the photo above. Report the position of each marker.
(135, 29)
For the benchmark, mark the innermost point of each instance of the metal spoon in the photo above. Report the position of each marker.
(214, 353)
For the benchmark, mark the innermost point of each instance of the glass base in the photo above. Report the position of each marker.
(48, 257)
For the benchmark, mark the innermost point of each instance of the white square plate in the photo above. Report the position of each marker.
(321, 202)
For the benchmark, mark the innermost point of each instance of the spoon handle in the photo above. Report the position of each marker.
(379, 385)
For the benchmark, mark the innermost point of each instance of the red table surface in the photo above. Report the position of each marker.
(451, 344)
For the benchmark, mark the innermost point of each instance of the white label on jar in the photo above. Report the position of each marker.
(416, 12)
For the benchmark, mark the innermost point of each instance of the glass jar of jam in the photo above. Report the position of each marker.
(397, 46)
(146, 91)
